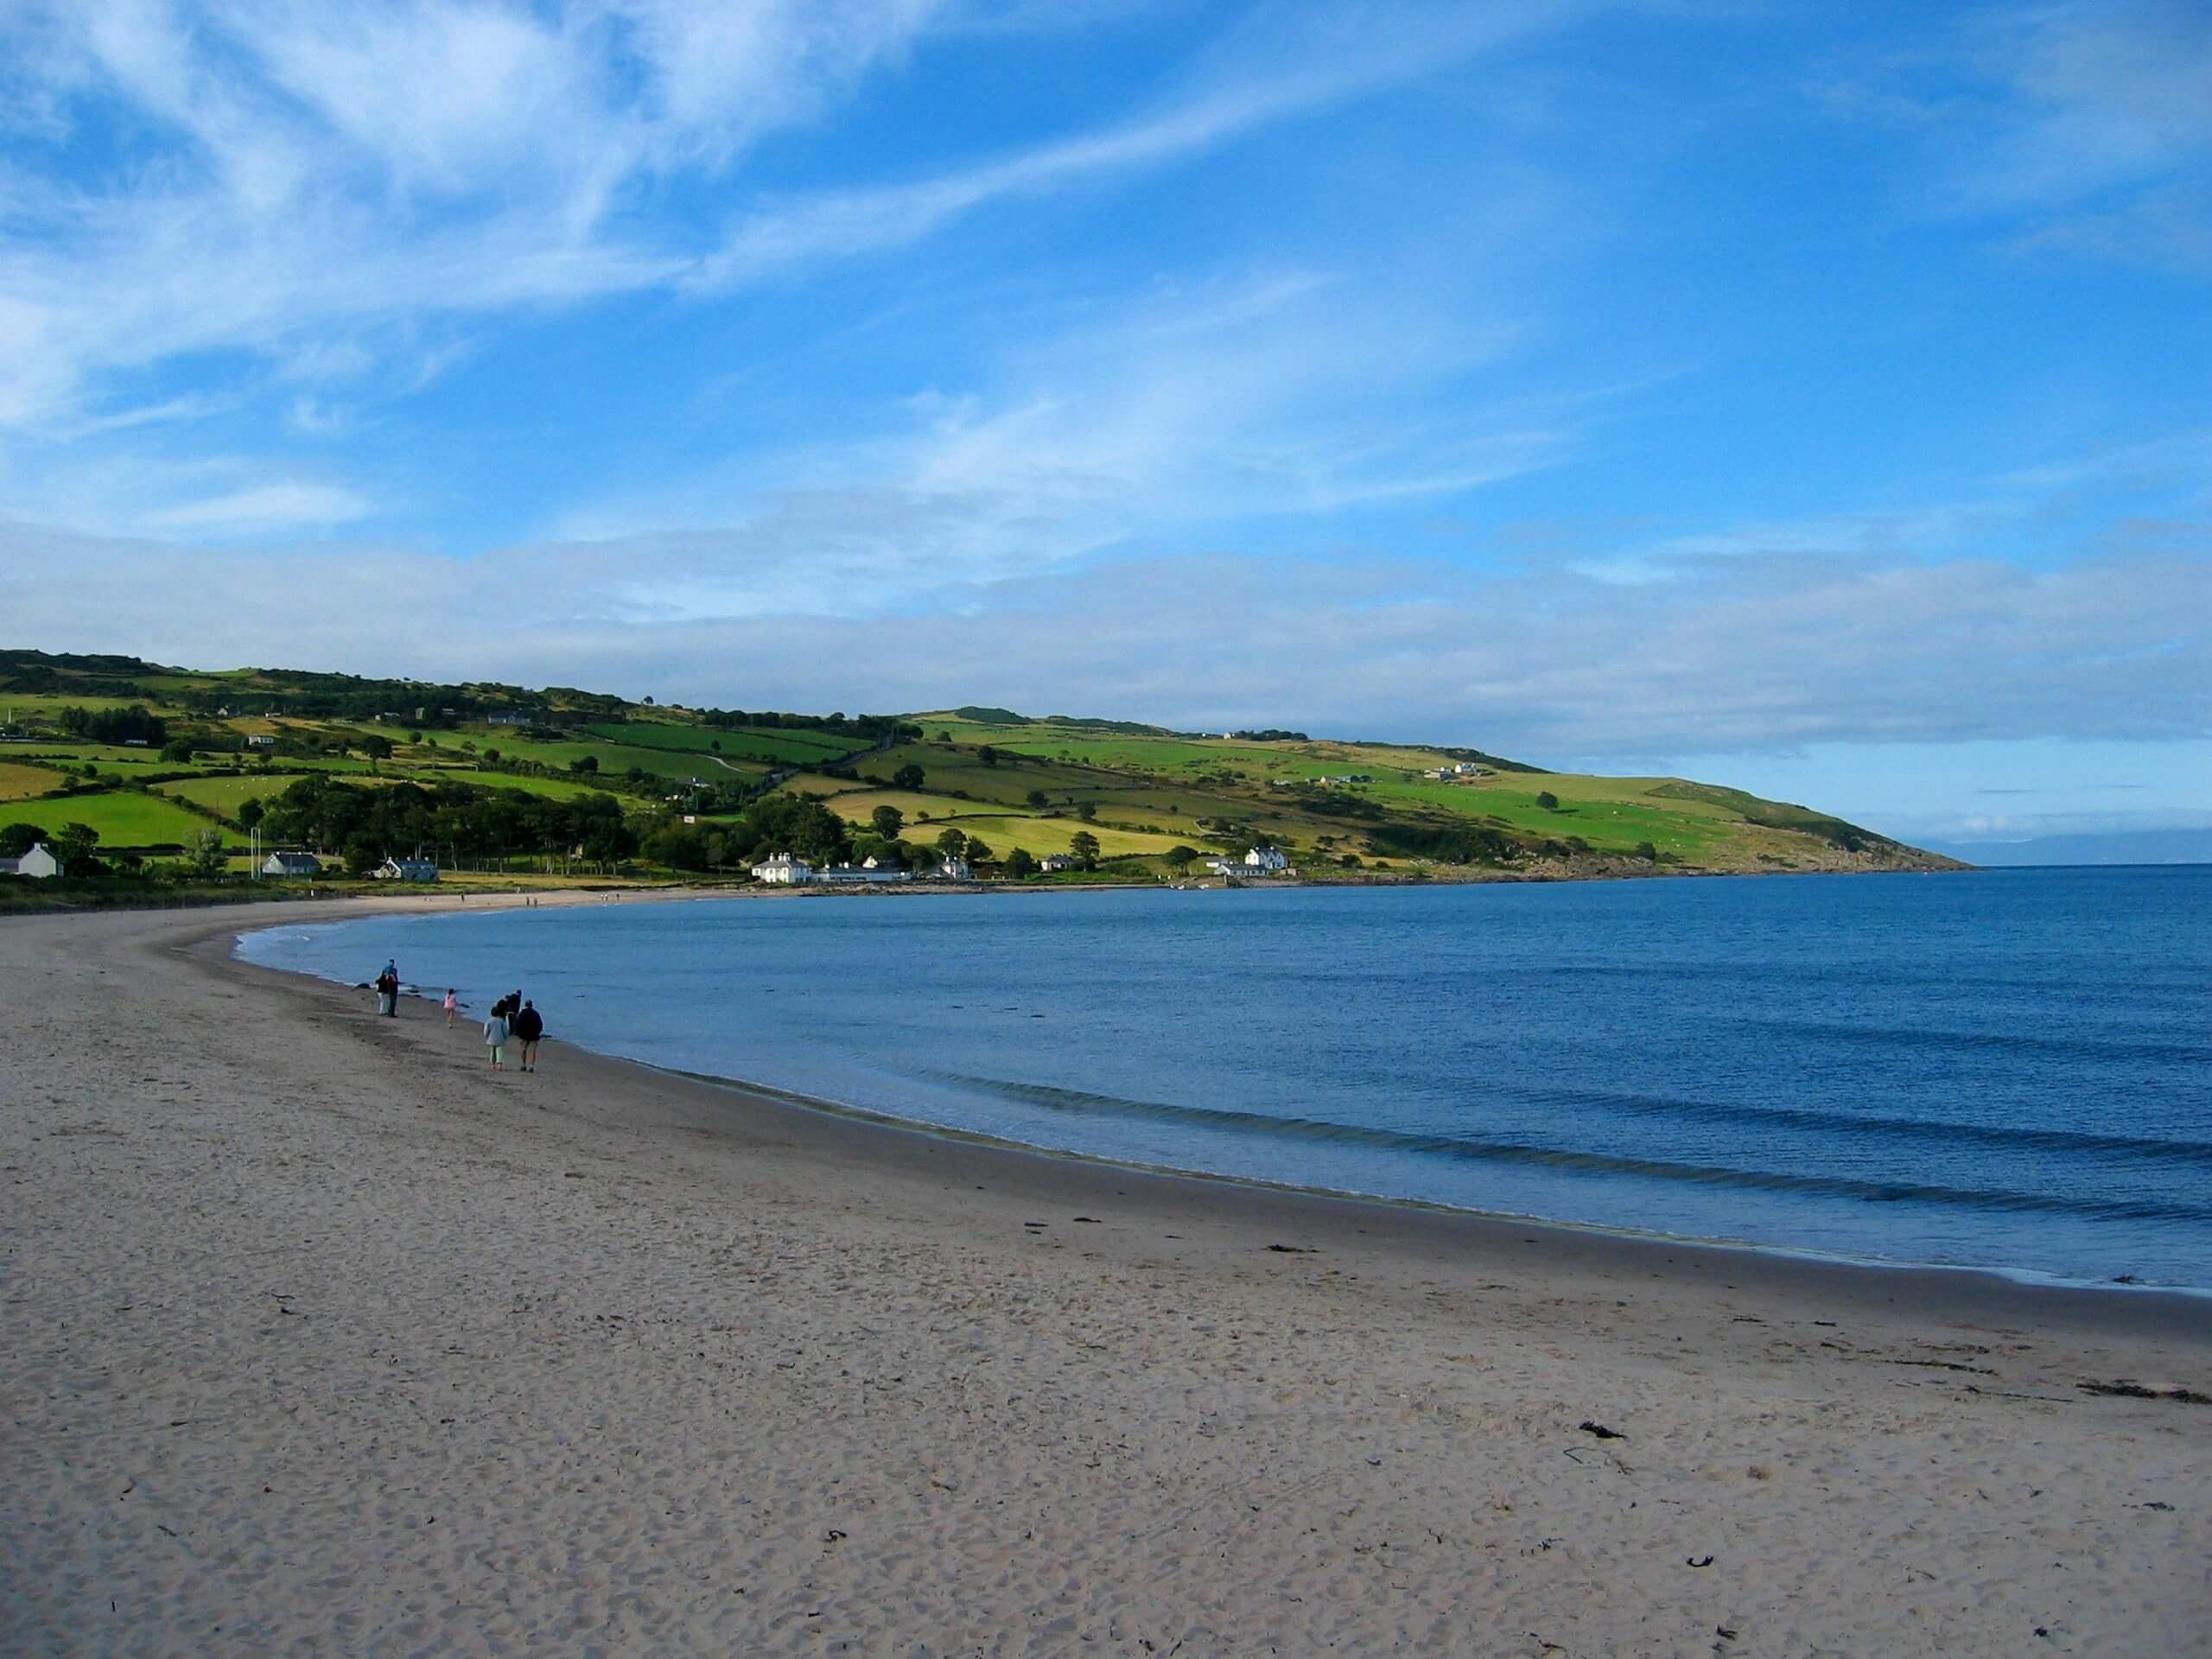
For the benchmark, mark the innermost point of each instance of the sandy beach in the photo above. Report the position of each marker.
(321, 1338)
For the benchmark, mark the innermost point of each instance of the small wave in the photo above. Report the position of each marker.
(1857, 1125)
(1764, 974)
(2124, 1050)
(1477, 1148)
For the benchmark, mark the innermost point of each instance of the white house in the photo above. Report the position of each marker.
(37, 865)
(954, 869)
(873, 870)
(406, 869)
(1260, 860)
(782, 870)
(1053, 863)
(291, 864)
(260, 741)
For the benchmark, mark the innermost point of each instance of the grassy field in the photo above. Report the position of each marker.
(616, 759)
(768, 749)
(1005, 832)
(21, 783)
(17, 706)
(226, 795)
(1168, 756)
(551, 789)
(124, 817)
(108, 757)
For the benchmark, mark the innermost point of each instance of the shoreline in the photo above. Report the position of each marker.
(330, 1339)
(755, 1093)
(582, 891)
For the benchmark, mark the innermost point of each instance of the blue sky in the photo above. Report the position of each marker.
(1812, 398)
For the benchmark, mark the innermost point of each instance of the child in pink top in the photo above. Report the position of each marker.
(450, 1005)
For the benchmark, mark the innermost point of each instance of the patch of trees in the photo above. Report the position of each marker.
(1123, 728)
(1451, 844)
(873, 728)
(1272, 734)
(312, 695)
(1848, 836)
(598, 705)
(133, 724)
(459, 820)
(72, 846)
(1336, 804)
(794, 823)
(60, 672)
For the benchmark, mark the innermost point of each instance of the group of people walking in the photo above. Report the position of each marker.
(513, 1018)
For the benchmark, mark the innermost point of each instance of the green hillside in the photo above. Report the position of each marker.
(509, 778)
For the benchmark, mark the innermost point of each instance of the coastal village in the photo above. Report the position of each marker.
(118, 771)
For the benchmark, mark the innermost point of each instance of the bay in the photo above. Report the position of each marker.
(2009, 1070)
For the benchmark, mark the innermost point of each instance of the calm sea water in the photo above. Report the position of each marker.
(2009, 1069)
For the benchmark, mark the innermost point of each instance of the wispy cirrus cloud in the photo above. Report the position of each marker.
(287, 507)
(1274, 396)
(296, 181)
(302, 183)
(2084, 127)
(1293, 64)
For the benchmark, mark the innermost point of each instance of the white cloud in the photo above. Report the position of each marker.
(1312, 59)
(2102, 96)
(297, 179)
(307, 184)
(2085, 127)
(1764, 654)
(1285, 393)
(262, 508)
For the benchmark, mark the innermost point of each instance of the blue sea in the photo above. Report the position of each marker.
(2009, 1070)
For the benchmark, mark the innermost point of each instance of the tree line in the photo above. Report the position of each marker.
(133, 724)
(366, 825)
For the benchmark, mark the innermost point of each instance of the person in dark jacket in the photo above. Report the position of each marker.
(529, 1027)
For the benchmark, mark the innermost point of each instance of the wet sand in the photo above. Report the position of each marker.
(324, 1338)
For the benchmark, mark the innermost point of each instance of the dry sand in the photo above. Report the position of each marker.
(322, 1339)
